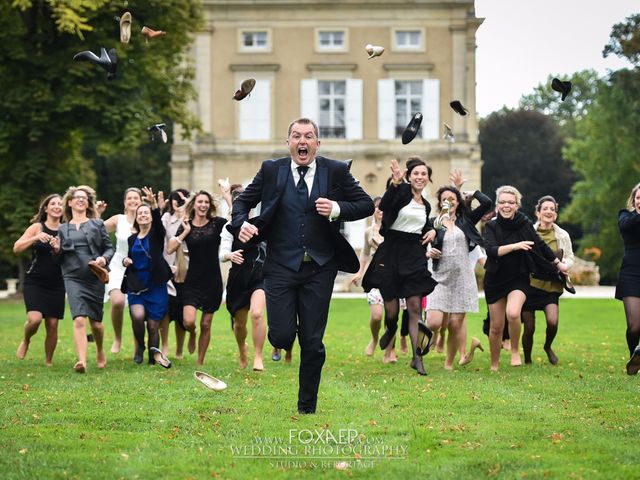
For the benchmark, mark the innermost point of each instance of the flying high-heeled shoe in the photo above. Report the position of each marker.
(106, 61)
(158, 128)
(151, 33)
(373, 50)
(125, 27)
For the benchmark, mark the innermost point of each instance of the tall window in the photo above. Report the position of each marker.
(408, 39)
(331, 100)
(331, 40)
(254, 40)
(408, 102)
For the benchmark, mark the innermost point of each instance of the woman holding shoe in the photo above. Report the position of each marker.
(399, 266)
(457, 291)
(514, 252)
(145, 279)
(81, 240)
(43, 287)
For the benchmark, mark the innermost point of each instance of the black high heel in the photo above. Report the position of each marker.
(424, 339)
(388, 335)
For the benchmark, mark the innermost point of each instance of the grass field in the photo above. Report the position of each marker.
(579, 419)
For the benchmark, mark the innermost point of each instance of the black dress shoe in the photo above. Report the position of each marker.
(633, 365)
(563, 87)
(458, 108)
(245, 89)
(388, 335)
(412, 128)
(138, 357)
(306, 411)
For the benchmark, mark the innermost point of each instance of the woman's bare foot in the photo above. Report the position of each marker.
(101, 361)
(48, 364)
(494, 368)
(440, 343)
(22, 349)
(179, 356)
(506, 344)
(515, 359)
(287, 356)
(258, 366)
(448, 367)
(80, 367)
(243, 356)
(403, 345)
(369, 349)
(390, 357)
(191, 346)
(115, 348)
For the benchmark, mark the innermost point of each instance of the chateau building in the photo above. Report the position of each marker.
(308, 59)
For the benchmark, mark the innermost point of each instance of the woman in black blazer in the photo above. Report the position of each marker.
(628, 287)
(399, 266)
(145, 279)
(514, 252)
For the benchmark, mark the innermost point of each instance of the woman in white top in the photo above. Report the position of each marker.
(399, 267)
(122, 224)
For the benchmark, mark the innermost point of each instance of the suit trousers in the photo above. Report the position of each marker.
(298, 302)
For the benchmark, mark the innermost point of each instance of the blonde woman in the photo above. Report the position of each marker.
(628, 287)
(514, 252)
(122, 224)
(43, 287)
(82, 239)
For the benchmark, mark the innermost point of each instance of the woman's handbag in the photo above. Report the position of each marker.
(181, 264)
(131, 283)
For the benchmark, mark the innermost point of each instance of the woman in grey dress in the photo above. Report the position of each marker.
(456, 292)
(82, 239)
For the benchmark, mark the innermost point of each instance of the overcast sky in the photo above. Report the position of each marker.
(521, 42)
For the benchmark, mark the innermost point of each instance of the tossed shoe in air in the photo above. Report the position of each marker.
(107, 61)
(245, 89)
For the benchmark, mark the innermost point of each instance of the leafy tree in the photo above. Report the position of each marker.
(605, 152)
(60, 118)
(625, 40)
(523, 148)
(585, 85)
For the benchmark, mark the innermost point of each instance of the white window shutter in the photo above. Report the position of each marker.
(353, 107)
(309, 99)
(431, 109)
(386, 109)
(255, 113)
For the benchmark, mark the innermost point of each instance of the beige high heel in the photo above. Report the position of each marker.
(475, 343)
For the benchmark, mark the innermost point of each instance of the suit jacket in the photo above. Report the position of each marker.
(393, 200)
(335, 182)
(97, 237)
(160, 270)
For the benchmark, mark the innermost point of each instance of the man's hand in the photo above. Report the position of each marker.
(324, 207)
(247, 232)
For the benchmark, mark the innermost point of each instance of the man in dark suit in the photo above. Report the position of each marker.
(303, 199)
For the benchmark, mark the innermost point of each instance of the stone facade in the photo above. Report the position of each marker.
(309, 59)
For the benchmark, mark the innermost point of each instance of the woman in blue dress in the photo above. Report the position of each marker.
(145, 279)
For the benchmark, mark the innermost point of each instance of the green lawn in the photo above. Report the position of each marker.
(577, 420)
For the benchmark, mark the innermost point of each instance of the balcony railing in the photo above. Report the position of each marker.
(333, 132)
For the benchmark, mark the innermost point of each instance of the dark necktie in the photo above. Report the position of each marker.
(302, 185)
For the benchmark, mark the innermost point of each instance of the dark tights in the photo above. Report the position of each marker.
(632, 311)
(551, 312)
(138, 317)
(414, 307)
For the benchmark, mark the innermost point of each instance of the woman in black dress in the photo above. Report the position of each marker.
(514, 252)
(43, 287)
(245, 290)
(81, 240)
(628, 288)
(399, 266)
(203, 285)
